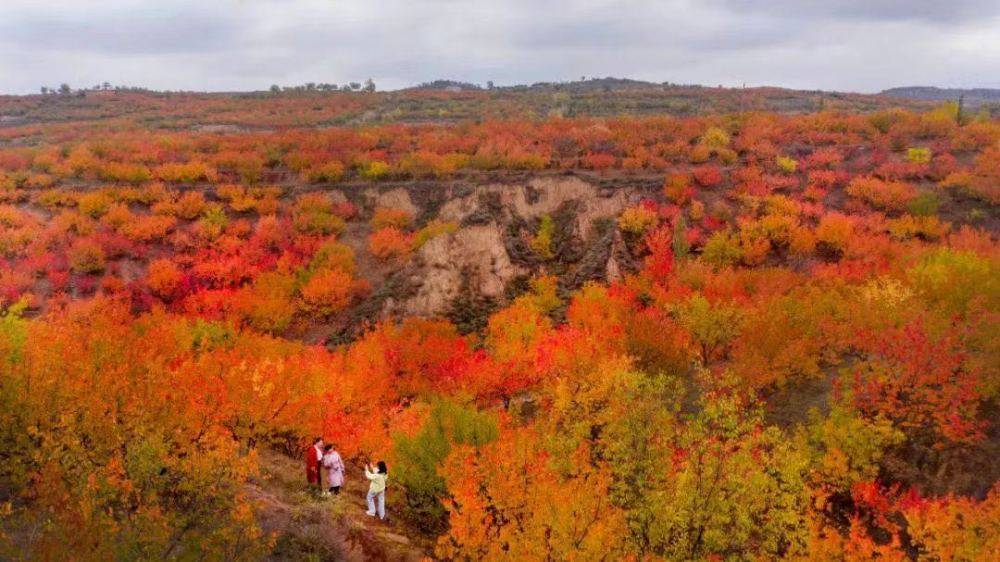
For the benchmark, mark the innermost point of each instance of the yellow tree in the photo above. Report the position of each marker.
(509, 503)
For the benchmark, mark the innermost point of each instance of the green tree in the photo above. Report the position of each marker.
(542, 242)
(419, 458)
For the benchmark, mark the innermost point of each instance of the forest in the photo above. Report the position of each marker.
(744, 328)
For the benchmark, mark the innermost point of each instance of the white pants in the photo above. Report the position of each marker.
(381, 503)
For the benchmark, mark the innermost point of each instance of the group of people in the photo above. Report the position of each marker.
(324, 456)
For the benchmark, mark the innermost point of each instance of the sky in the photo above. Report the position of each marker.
(230, 45)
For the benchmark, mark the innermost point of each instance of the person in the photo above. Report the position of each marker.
(376, 489)
(314, 456)
(334, 466)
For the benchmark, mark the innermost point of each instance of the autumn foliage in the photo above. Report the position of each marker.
(795, 358)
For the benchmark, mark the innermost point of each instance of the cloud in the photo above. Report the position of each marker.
(250, 44)
(129, 30)
(937, 12)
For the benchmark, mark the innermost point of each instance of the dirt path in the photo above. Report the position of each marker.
(313, 528)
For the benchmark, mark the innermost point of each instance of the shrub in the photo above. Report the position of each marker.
(967, 185)
(726, 156)
(754, 244)
(148, 228)
(94, 203)
(38, 181)
(189, 172)
(332, 255)
(127, 173)
(802, 241)
(954, 281)
(825, 157)
(330, 172)
(53, 198)
(164, 279)
(834, 232)
(262, 200)
(715, 137)
(385, 217)
(722, 249)
(823, 179)
(86, 256)
(432, 230)
(266, 205)
(314, 215)
(958, 182)
(153, 193)
(700, 154)
(268, 304)
(389, 243)
(190, 205)
(598, 161)
(814, 194)
(889, 196)
(637, 219)
(213, 220)
(376, 170)
(427, 164)
(542, 294)
(314, 201)
(117, 216)
(318, 223)
(677, 188)
(707, 176)
(925, 204)
(776, 227)
(247, 166)
(926, 227)
(786, 164)
(524, 160)
(328, 291)
(541, 243)
(14, 242)
(918, 155)
(72, 222)
(697, 210)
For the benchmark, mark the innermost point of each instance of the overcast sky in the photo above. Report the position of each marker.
(853, 45)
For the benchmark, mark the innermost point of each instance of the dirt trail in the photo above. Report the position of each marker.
(313, 528)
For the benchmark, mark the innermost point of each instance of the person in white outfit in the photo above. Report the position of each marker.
(376, 488)
(334, 466)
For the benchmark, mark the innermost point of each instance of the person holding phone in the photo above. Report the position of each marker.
(376, 488)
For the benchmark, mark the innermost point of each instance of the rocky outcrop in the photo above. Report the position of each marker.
(491, 246)
(542, 196)
(398, 198)
(474, 256)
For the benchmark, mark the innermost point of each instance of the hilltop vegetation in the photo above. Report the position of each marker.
(972, 96)
(441, 101)
(576, 327)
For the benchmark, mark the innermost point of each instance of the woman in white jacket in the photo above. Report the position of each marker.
(376, 489)
(334, 466)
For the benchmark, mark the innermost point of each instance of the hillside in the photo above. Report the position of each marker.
(435, 102)
(612, 320)
(972, 96)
